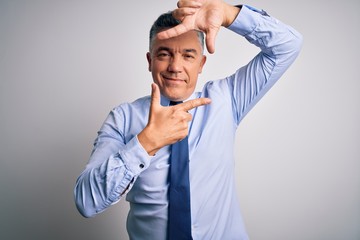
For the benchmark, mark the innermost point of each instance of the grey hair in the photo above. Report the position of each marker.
(167, 20)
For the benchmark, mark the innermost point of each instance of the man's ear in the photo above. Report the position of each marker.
(202, 63)
(148, 57)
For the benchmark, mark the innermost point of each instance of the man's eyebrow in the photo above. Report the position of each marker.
(190, 50)
(163, 49)
(186, 50)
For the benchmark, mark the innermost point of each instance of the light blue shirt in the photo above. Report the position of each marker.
(120, 166)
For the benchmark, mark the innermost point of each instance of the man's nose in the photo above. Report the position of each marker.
(175, 64)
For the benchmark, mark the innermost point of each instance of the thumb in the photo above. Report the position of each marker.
(210, 40)
(155, 96)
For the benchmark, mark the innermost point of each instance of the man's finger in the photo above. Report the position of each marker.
(155, 96)
(173, 32)
(210, 40)
(189, 3)
(181, 13)
(187, 106)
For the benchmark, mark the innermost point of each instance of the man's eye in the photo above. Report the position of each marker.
(189, 56)
(162, 55)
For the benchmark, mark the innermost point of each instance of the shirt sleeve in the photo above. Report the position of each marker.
(279, 43)
(113, 167)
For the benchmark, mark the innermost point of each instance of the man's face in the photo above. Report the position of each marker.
(175, 64)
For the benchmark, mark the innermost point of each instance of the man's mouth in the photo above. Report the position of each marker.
(173, 78)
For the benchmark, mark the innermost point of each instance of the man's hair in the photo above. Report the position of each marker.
(167, 20)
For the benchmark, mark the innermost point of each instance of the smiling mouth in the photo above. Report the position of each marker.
(173, 79)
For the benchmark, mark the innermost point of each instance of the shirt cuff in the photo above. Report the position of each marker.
(247, 20)
(135, 157)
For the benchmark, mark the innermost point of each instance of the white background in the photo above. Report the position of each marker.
(65, 64)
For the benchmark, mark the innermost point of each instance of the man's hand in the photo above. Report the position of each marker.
(167, 125)
(203, 15)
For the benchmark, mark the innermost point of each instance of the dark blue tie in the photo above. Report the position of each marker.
(179, 222)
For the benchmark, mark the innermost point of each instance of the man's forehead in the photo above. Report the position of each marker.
(188, 41)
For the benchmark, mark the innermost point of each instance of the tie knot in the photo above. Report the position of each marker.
(173, 103)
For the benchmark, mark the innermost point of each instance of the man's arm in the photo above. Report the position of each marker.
(112, 169)
(279, 43)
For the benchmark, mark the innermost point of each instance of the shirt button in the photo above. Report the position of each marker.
(141, 166)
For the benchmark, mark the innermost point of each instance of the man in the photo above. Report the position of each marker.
(132, 154)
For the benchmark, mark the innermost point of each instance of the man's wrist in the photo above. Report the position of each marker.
(146, 143)
(230, 14)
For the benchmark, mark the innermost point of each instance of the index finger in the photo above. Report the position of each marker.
(173, 32)
(186, 106)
